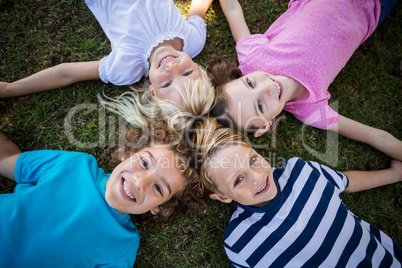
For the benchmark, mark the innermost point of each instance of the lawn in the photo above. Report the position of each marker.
(38, 34)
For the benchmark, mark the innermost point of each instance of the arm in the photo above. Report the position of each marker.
(9, 153)
(234, 15)
(364, 180)
(377, 138)
(199, 8)
(55, 77)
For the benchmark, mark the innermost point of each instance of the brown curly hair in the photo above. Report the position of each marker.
(158, 132)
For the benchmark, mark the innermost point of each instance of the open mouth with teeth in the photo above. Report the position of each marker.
(278, 88)
(126, 191)
(264, 188)
(165, 59)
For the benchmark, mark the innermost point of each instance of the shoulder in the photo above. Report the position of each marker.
(54, 159)
(33, 165)
(45, 155)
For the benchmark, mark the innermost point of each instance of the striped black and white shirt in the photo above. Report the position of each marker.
(306, 225)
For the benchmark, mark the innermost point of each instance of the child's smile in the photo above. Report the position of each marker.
(265, 187)
(169, 69)
(126, 190)
(144, 181)
(242, 175)
(255, 99)
(165, 59)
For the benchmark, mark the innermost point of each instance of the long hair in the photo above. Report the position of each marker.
(137, 107)
(209, 138)
(158, 132)
(222, 72)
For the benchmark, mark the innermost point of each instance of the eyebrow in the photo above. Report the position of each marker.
(154, 162)
(255, 106)
(188, 76)
(244, 82)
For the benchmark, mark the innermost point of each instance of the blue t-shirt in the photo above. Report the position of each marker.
(58, 215)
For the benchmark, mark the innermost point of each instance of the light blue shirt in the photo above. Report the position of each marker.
(58, 215)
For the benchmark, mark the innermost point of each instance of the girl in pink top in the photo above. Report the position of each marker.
(292, 64)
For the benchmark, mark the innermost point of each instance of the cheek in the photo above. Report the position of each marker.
(155, 77)
(175, 98)
(151, 76)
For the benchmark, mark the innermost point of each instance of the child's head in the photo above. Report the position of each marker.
(231, 169)
(156, 172)
(169, 70)
(138, 106)
(249, 103)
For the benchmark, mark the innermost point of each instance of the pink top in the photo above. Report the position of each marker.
(311, 42)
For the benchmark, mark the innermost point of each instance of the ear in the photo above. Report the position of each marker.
(220, 197)
(155, 210)
(152, 92)
(262, 129)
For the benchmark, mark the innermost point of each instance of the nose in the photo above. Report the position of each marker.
(172, 66)
(255, 178)
(265, 87)
(142, 181)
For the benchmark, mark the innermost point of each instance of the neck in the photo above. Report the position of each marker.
(176, 43)
(293, 89)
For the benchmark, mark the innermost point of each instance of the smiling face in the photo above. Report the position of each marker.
(242, 175)
(255, 99)
(144, 181)
(169, 69)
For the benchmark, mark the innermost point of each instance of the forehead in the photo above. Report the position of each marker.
(232, 153)
(181, 83)
(242, 107)
(228, 160)
(164, 161)
(236, 86)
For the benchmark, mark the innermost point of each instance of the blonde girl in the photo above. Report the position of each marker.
(137, 106)
(148, 39)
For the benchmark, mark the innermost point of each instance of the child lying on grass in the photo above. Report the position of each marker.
(292, 215)
(291, 66)
(66, 211)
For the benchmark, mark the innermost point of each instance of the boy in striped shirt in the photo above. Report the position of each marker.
(291, 216)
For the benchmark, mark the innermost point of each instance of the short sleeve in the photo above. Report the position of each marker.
(336, 178)
(319, 114)
(31, 166)
(122, 68)
(197, 35)
(248, 45)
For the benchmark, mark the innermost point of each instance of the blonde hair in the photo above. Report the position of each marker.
(209, 138)
(137, 106)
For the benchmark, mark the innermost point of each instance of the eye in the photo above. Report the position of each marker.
(249, 83)
(238, 180)
(167, 84)
(159, 189)
(260, 106)
(253, 160)
(187, 73)
(144, 163)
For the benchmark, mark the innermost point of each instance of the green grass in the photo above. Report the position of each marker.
(35, 35)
